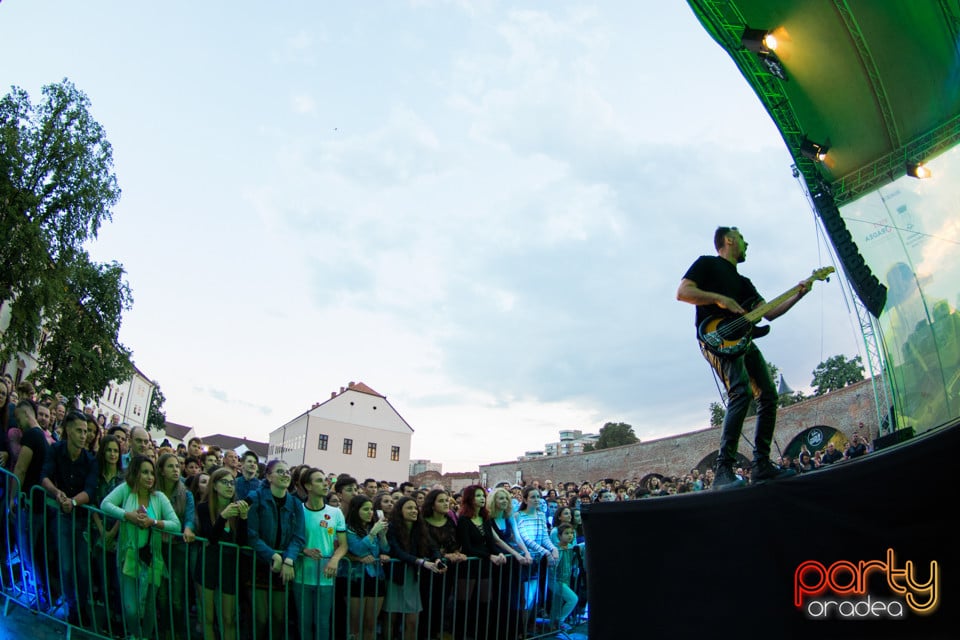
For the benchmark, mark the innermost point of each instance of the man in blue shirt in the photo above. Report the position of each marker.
(247, 481)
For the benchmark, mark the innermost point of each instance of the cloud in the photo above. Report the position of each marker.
(303, 105)
(223, 397)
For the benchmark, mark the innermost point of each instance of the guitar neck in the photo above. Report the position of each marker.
(758, 313)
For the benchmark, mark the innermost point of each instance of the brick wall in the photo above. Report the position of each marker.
(452, 481)
(845, 410)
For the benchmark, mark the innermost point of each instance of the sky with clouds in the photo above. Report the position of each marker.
(482, 210)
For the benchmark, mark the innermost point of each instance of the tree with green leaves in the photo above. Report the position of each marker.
(80, 355)
(836, 373)
(787, 399)
(156, 416)
(57, 187)
(614, 434)
(717, 413)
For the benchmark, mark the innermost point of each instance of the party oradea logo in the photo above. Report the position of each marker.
(866, 590)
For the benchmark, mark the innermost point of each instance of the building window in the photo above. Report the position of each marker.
(348, 446)
(395, 454)
(322, 444)
(371, 449)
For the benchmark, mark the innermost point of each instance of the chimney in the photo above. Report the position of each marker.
(333, 394)
(350, 384)
(342, 389)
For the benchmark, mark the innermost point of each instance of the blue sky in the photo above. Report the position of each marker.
(481, 210)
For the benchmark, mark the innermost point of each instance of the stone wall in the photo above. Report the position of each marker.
(848, 410)
(452, 481)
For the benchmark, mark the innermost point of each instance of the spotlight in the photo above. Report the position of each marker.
(918, 170)
(764, 43)
(759, 40)
(813, 151)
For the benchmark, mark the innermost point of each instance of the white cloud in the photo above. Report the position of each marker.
(303, 104)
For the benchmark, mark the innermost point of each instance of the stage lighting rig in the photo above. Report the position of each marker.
(813, 150)
(764, 43)
(759, 40)
(918, 170)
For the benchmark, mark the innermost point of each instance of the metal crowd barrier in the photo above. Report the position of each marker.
(470, 600)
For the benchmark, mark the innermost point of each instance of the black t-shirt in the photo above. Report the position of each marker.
(855, 451)
(716, 274)
(37, 442)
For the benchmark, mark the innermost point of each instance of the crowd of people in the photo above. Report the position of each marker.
(133, 539)
(136, 539)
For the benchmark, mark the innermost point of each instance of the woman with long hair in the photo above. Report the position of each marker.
(368, 546)
(409, 544)
(197, 485)
(477, 540)
(383, 502)
(532, 527)
(275, 529)
(105, 530)
(564, 515)
(94, 433)
(222, 519)
(173, 592)
(441, 530)
(503, 525)
(145, 513)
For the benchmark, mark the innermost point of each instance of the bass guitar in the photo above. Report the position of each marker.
(730, 335)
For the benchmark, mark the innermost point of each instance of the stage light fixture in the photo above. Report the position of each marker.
(813, 151)
(759, 40)
(764, 43)
(918, 170)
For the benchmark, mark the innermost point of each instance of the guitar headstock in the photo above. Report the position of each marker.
(822, 273)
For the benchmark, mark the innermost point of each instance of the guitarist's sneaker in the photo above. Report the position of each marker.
(725, 478)
(764, 470)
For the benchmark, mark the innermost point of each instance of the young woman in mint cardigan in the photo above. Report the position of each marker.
(144, 513)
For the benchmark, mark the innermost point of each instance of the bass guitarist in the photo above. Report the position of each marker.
(713, 284)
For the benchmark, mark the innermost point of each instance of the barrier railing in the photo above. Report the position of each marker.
(66, 567)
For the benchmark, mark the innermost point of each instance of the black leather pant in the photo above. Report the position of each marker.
(745, 376)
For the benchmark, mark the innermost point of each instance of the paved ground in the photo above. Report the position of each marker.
(20, 624)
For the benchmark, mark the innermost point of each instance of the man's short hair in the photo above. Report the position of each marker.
(345, 480)
(195, 439)
(720, 236)
(250, 454)
(117, 427)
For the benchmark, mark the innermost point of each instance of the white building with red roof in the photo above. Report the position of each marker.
(356, 431)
